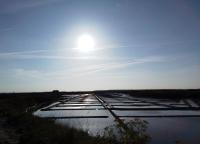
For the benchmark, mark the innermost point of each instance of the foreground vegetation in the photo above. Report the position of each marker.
(19, 126)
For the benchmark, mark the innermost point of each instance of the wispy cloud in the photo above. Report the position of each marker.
(42, 54)
(119, 65)
(85, 70)
(155, 44)
(12, 6)
(20, 72)
(6, 29)
(22, 52)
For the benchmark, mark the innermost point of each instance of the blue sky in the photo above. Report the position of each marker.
(140, 44)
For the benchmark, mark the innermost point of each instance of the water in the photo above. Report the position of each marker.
(170, 130)
(87, 113)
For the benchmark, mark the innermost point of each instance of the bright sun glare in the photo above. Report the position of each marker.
(86, 43)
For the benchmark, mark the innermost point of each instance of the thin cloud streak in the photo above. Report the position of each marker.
(120, 65)
(36, 54)
(147, 45)
(15, 6)
(42, 54)
(22, 52)
(81, 72)
(6, 29)
(51, 57)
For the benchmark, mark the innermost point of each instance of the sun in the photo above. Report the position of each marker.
(85, 43)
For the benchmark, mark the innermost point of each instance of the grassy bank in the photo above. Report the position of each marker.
(18, 125)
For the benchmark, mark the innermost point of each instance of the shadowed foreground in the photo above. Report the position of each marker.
(18, 125)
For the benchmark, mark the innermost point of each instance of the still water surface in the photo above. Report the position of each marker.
(87, 113)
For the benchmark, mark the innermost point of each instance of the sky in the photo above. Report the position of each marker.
(139, 44)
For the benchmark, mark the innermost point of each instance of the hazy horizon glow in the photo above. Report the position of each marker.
(93, 45)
